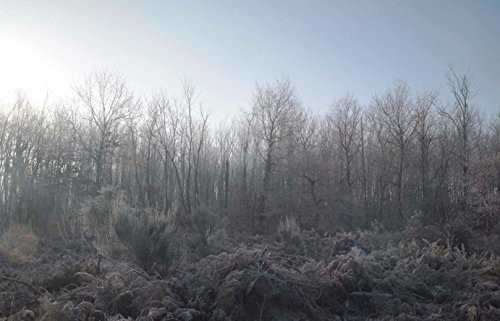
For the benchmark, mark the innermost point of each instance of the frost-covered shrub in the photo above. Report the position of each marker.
(97, 215)
(459, 230)
(149, 240)
(290, 234)
(205, 232)
(289, 228)
(98, 210)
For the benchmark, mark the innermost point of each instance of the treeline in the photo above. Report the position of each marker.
(405, 153)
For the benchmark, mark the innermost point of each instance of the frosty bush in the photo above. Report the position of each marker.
(149, 240)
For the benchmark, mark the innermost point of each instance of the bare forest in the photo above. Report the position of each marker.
(120, 207)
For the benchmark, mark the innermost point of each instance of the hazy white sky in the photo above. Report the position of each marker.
(326, 48)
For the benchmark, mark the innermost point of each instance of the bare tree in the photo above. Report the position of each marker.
(464, 120)
(225, 144)
(102, 104)
(275, 110)
(308, 165)
(183, 138)
(425, 135)
(346, 121)
(396, 113)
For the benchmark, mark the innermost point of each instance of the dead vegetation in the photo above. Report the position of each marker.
(19, 244)
(372, 275)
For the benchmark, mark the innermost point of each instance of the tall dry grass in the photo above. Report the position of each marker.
(19, 244)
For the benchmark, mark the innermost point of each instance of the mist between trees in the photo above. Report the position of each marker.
(402, 154)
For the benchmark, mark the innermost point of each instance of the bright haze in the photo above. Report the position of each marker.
(326, 48)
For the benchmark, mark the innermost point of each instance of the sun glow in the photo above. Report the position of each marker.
(27, 68)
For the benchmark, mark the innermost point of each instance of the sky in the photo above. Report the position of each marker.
(224, 48)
